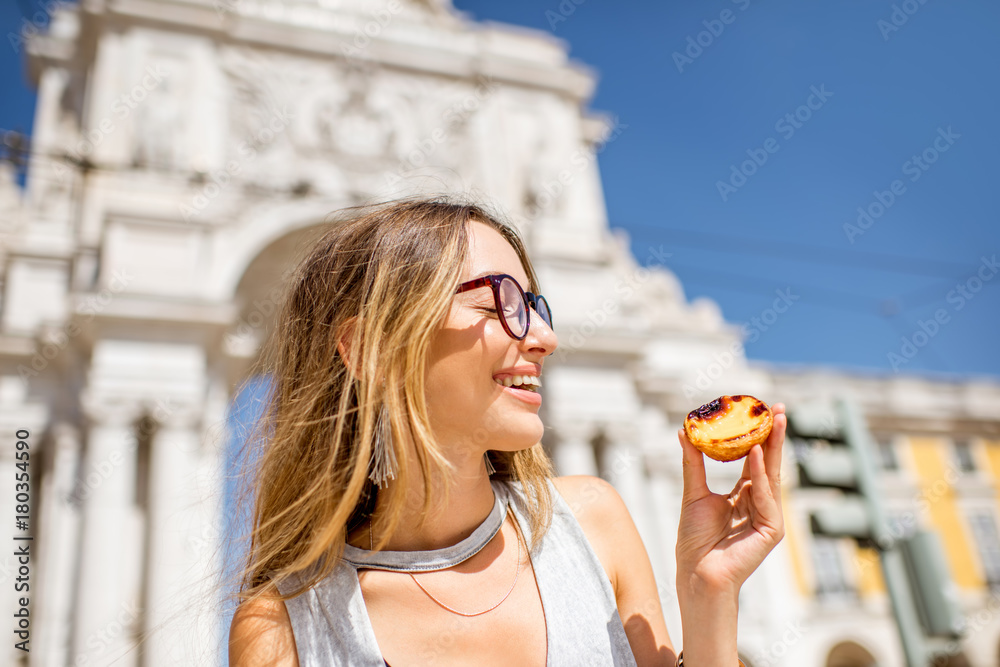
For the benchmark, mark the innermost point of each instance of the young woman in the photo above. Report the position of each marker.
(405, 511)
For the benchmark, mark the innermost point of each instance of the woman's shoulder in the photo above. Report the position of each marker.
(591, 499)
(586, 495)
(261, 634)
(599, 509)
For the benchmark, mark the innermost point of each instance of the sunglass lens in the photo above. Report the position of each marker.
(542, 308)
(513, 307)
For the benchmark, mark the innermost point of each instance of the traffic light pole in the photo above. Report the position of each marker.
(890, 554)
(903, 607)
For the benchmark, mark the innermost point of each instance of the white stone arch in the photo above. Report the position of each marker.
(852, 653)
(235, 248)
(250, 274)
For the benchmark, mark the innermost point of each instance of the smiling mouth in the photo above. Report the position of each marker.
(524, 383)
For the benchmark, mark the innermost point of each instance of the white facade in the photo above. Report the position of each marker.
(184, 149)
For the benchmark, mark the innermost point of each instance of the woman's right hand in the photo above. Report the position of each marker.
(722, 539)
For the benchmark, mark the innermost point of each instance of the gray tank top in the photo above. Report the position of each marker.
(331, 625)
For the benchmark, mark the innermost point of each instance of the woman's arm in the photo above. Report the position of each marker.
(261, 635)
(721, 540)
(611, 531)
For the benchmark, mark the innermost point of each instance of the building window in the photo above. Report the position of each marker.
(887, 455)
(964, 456)
(984, 529)
(831, 578)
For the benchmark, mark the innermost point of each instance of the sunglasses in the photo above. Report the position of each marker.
(511, 303)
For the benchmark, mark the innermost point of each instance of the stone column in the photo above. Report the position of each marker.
(574, 450)
(59, 534)
(108, 609)
(173, 585)
(663, 465)
(621, 463)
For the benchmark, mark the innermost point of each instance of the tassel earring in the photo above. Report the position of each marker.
(383, 454)
(489, 465)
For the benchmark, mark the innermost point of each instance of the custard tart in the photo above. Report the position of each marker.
(729, 426)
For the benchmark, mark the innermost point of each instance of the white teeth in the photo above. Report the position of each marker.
(519, 380)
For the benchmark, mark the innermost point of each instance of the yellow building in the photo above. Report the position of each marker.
(938, 456)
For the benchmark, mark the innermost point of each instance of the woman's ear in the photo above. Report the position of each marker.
(345, 335)
(345, 347)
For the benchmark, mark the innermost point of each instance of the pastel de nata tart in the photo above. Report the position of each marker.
(729, 426)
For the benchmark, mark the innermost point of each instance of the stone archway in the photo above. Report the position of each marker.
(956, 660)
(257, 298)
(850, 654)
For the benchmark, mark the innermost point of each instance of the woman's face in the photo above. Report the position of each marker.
(467, 407)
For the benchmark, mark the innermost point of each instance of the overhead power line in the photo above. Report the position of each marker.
(791, 250)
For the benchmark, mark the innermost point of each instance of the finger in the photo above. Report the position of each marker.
(695, 484)
(746, 468)
(761, 490)
(776, 409)
(775, 443)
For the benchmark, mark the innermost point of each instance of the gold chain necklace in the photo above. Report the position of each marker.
(451, 609)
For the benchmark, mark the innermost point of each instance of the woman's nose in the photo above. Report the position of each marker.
(540, 334)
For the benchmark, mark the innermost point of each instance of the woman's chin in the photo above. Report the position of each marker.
(519, 440)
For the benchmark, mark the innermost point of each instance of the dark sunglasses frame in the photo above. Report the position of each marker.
(530, 300)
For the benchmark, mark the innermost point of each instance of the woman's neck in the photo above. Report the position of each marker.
(469, 504)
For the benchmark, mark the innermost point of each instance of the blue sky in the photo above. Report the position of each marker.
(914, 270)
(784, 227)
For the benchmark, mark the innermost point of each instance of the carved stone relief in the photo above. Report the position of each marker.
(160, 120)
(353, 126)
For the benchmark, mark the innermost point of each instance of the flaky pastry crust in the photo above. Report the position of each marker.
(729, 426)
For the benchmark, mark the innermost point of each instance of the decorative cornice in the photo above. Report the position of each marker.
(153, 309)
(934, 426)
(464, 49)
(106, 410)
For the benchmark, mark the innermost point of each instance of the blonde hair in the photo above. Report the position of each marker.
(383, 277)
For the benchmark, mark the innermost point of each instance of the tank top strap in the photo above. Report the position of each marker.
(581, 612)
